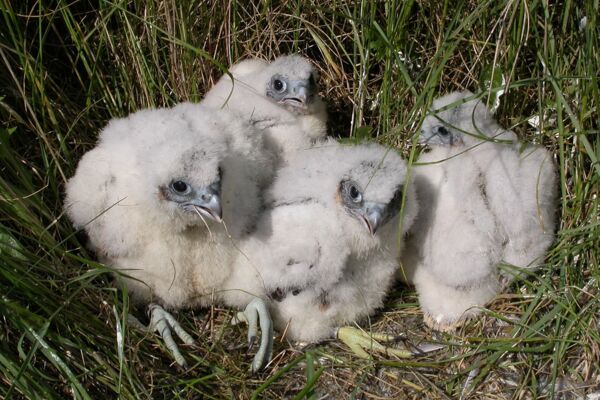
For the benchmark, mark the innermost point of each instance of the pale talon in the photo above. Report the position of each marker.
(359, 341)
(256, 313)
(173, 324)
(163, 322)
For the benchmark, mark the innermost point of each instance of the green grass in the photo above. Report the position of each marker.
(67, 68)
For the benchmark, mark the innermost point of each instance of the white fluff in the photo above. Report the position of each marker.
(482, 203)
(286, 127)
(317, 263)
(117, 196)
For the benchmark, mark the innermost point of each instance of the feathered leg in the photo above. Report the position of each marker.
(447, 307)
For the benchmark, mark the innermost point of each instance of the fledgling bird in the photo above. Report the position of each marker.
(161, 197)
(316, 253)
(280, 97)
(483, 203)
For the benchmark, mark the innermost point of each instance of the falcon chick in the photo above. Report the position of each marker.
(483, 203)
(281, 98)
(316, 253)
(161, 197)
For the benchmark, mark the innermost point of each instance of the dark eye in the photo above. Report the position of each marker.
(351, 193)
(278, 85)
(354, 193)
(179, 186)
(442, 131)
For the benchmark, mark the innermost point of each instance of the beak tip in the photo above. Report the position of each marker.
(217, 213)
(211, 210)
(369, 225)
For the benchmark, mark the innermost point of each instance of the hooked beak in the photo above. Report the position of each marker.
(298, 98)
(208, 203)
(374, 215)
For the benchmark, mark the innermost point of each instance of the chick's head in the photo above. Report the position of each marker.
(292, 82)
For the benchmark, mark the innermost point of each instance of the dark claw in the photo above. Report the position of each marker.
(251, 343)
(402, 338)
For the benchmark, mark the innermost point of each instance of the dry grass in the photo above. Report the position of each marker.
(65, 69)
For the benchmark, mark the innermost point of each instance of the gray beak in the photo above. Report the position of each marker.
(372, 215)
(208, 202)
(299, 95)
(300, 92)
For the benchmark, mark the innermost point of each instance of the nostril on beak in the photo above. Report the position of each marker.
(206, 197)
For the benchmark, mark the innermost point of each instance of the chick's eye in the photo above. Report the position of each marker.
(279, 85)
(179, 186)
(354, 193)
(443, 131)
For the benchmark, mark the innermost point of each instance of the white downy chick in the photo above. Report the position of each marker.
(155, 197)
(479, 200)
(281, 98)
(317, 253)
